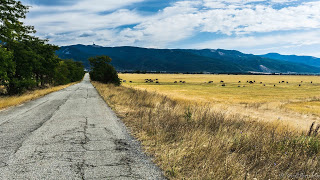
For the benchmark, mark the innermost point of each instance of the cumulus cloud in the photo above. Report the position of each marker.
(113, 23)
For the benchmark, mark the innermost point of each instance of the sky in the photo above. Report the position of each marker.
(250, 26)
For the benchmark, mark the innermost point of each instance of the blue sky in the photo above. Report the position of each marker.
(250, 26)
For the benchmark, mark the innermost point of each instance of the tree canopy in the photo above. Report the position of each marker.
(103, 71)
(26, 61)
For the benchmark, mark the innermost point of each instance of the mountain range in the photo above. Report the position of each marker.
(128, 58)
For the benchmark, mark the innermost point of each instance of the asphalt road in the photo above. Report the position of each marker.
(69, 134)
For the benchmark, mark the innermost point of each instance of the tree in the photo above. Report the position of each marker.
(103, 71)
(11, 28)
(7, 66)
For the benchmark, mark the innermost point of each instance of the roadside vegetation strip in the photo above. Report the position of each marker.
(8, 101)
(195, 142)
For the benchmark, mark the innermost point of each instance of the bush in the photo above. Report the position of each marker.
(103, 71)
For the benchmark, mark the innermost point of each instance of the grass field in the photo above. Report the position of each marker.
(266, 92)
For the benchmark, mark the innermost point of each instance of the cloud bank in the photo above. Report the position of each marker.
(254, 26)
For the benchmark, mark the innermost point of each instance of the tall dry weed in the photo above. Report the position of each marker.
(189, 141)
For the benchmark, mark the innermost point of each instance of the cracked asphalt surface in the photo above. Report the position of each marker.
(70, 134)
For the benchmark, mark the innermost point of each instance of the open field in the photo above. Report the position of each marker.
(7, 101)
(266, 99)
(197, 141)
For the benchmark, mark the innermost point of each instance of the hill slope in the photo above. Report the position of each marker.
(182, 60)
(308, 60)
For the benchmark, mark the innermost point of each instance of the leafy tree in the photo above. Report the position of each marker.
(7, 66)
(68, 71)
(26, 61)
(11, 28)
(103, 71)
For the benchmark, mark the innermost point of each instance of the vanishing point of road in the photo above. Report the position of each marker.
(69, 134)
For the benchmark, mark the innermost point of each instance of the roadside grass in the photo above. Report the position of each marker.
(193, 141)
(8, 101)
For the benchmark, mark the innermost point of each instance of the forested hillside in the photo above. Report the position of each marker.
(184, 60)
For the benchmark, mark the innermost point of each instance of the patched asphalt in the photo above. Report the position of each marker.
(70, 134)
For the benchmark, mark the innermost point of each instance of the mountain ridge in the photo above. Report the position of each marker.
(128, 58)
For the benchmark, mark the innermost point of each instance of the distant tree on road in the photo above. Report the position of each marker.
(103, 71)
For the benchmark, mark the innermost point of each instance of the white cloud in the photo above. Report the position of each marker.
(103, 22)
(268, 43)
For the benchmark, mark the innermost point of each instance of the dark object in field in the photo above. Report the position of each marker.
(244, 86)
(251, 82)
(264, 85)
(239, 82)
(315, 131)
(124, 81)
(254, 81)
(282, 81)
(279, 82)
(210, 82)
(247, 81)
(130, 81)
(260, 82)
(301, 81)
(287, 82)
(183, 82)
(311, 82)
(157, 82)
(157, 79)
(222, 81)
(147, 81)
(175, 82)
(223, 85)
(238, 86)
(274, 85)
(299, 85)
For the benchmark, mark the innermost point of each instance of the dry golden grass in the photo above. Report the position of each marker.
(196, 142)
(198, 88)
(7, 101)
(308, 107)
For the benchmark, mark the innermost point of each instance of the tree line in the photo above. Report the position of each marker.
(26, 61)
